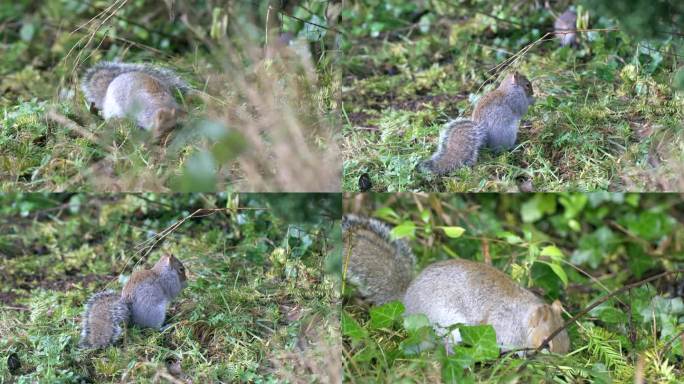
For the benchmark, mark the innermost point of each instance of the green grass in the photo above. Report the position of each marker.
(259, 306)
(605, 118)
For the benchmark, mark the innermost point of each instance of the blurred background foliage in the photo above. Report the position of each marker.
(657, 24)
(260, 305)
(41, 34)
(571, 246)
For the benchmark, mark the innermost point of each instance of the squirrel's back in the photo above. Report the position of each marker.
(459, 144)
(380, 267)
(97, 79)
(102, 321)
(474, 285)
(473, 293)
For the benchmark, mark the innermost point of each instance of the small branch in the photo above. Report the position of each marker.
(310, 23)
(62, 120)
(600, 301)
(667, 345)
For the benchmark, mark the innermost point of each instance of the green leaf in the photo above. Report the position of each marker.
(405, 229)
(558, 270)
(573, 204)
(553, 252)
(639, 261)
(452, 368)
(352, 329)
(422, 339)
(416, 321)
(453, 232)
(462, 357)
(678, 81)
(385, 213)
(482, 341)
(610, 315)
(199, 173)
(385, 315)
(368, 352)
(510, 238)
(648, 225)
(535, 208)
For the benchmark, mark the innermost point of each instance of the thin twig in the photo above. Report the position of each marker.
(310, 23)
(600, 301)
(668, 344)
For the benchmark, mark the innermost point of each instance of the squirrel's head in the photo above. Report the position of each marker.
(544, 320)
(167, 118)
(518, 81)
(170, 262)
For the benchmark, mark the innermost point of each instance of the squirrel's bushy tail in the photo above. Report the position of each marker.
(459, 144)
(97, 79)
(103, 320)
(380, 267)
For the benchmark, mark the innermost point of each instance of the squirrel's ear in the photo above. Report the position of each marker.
(539, 316)
(515, 78)
(557, 307)
(165, 259)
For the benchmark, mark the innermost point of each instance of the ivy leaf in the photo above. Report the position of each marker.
(535, 208)
(482, 341)
(452, 368)
(416, 321)
(385, 315)
(352, 329)
(422, 339)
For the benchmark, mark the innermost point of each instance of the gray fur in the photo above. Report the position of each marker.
(124, 101)
(116, 315)
(459, 144)
(451, 292)
(565, 27)
(96, 80)
(380, 267)
(500, 111)
(151, 298)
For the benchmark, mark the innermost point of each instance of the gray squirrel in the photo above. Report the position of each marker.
(494, 124)
(142, 302)
(141, 92)
(565, 27)
(447, 292)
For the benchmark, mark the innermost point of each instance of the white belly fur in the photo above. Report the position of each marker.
(111, 108)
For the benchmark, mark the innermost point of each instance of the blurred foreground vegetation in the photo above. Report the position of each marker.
(261, 109)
